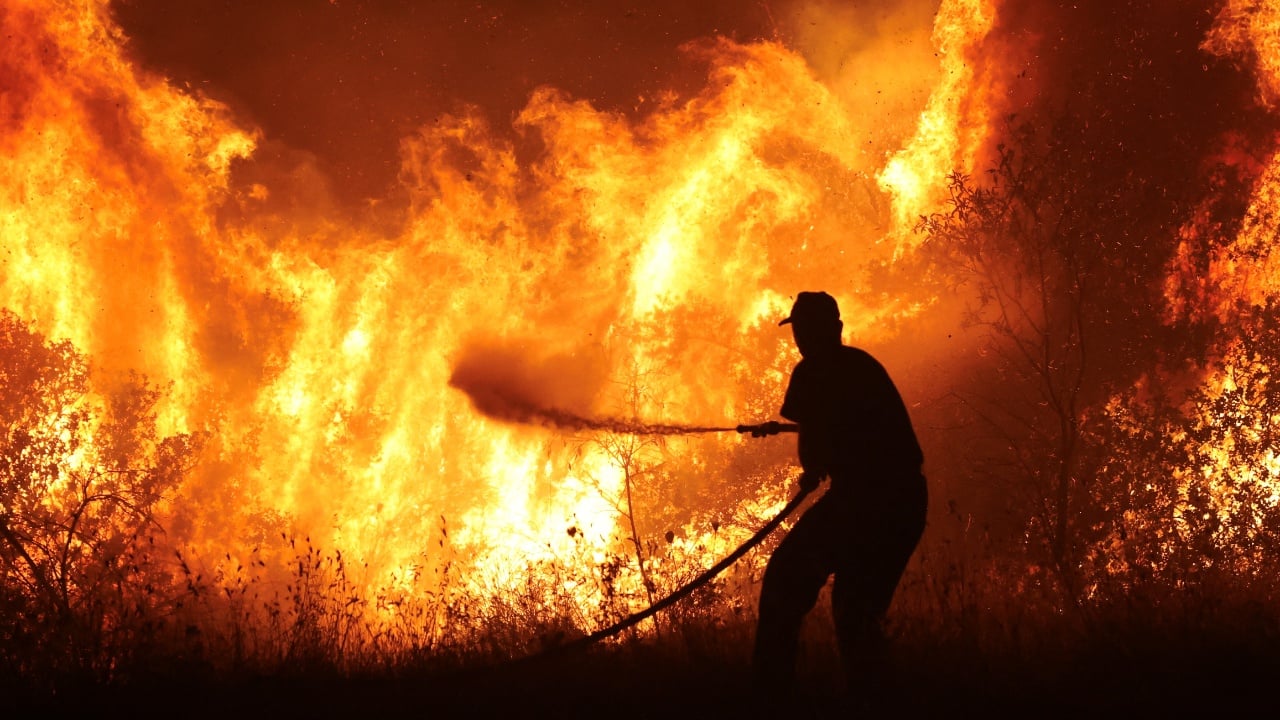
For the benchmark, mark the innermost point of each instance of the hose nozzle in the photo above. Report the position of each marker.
(772, 427)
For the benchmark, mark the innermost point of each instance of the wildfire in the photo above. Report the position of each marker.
(313, 355)
(630, 266)
(1251, 30)
(953, 126)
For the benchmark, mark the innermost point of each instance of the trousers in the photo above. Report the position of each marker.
(864, 540)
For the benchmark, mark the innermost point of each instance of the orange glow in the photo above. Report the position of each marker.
(1251, 30)
(952, 127)
(632, 265)
(1221, 464)
(642, 261)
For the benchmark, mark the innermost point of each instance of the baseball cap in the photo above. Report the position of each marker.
(813, 307)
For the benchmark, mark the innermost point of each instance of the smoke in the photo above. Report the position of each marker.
(396, 64)
(846, 43)
(554, 391)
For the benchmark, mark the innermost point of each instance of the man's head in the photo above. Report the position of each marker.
(815, 323)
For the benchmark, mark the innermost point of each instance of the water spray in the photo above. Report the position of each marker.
(565, 420)
(506, 395)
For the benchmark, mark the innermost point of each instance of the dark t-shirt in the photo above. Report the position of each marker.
(851, 410)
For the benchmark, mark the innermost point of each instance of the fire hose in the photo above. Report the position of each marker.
(769, 428)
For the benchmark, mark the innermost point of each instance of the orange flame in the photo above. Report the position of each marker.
(952, 127)
(643, 262)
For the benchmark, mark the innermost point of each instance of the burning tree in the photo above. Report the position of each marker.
(1024, 245)
(1195, 481)
(1065, 239)
(1069, 320)
(81, 479)
(1193, 476)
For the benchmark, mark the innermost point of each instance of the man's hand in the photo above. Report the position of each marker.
(809, 481)
(773, 427)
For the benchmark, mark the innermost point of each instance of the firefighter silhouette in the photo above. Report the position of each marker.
(855, 430)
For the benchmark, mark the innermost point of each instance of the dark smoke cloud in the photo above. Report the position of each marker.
(1131, 118)
(345, 80)
(555, 392)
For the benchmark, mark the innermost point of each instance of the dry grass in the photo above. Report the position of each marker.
(967, 638)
